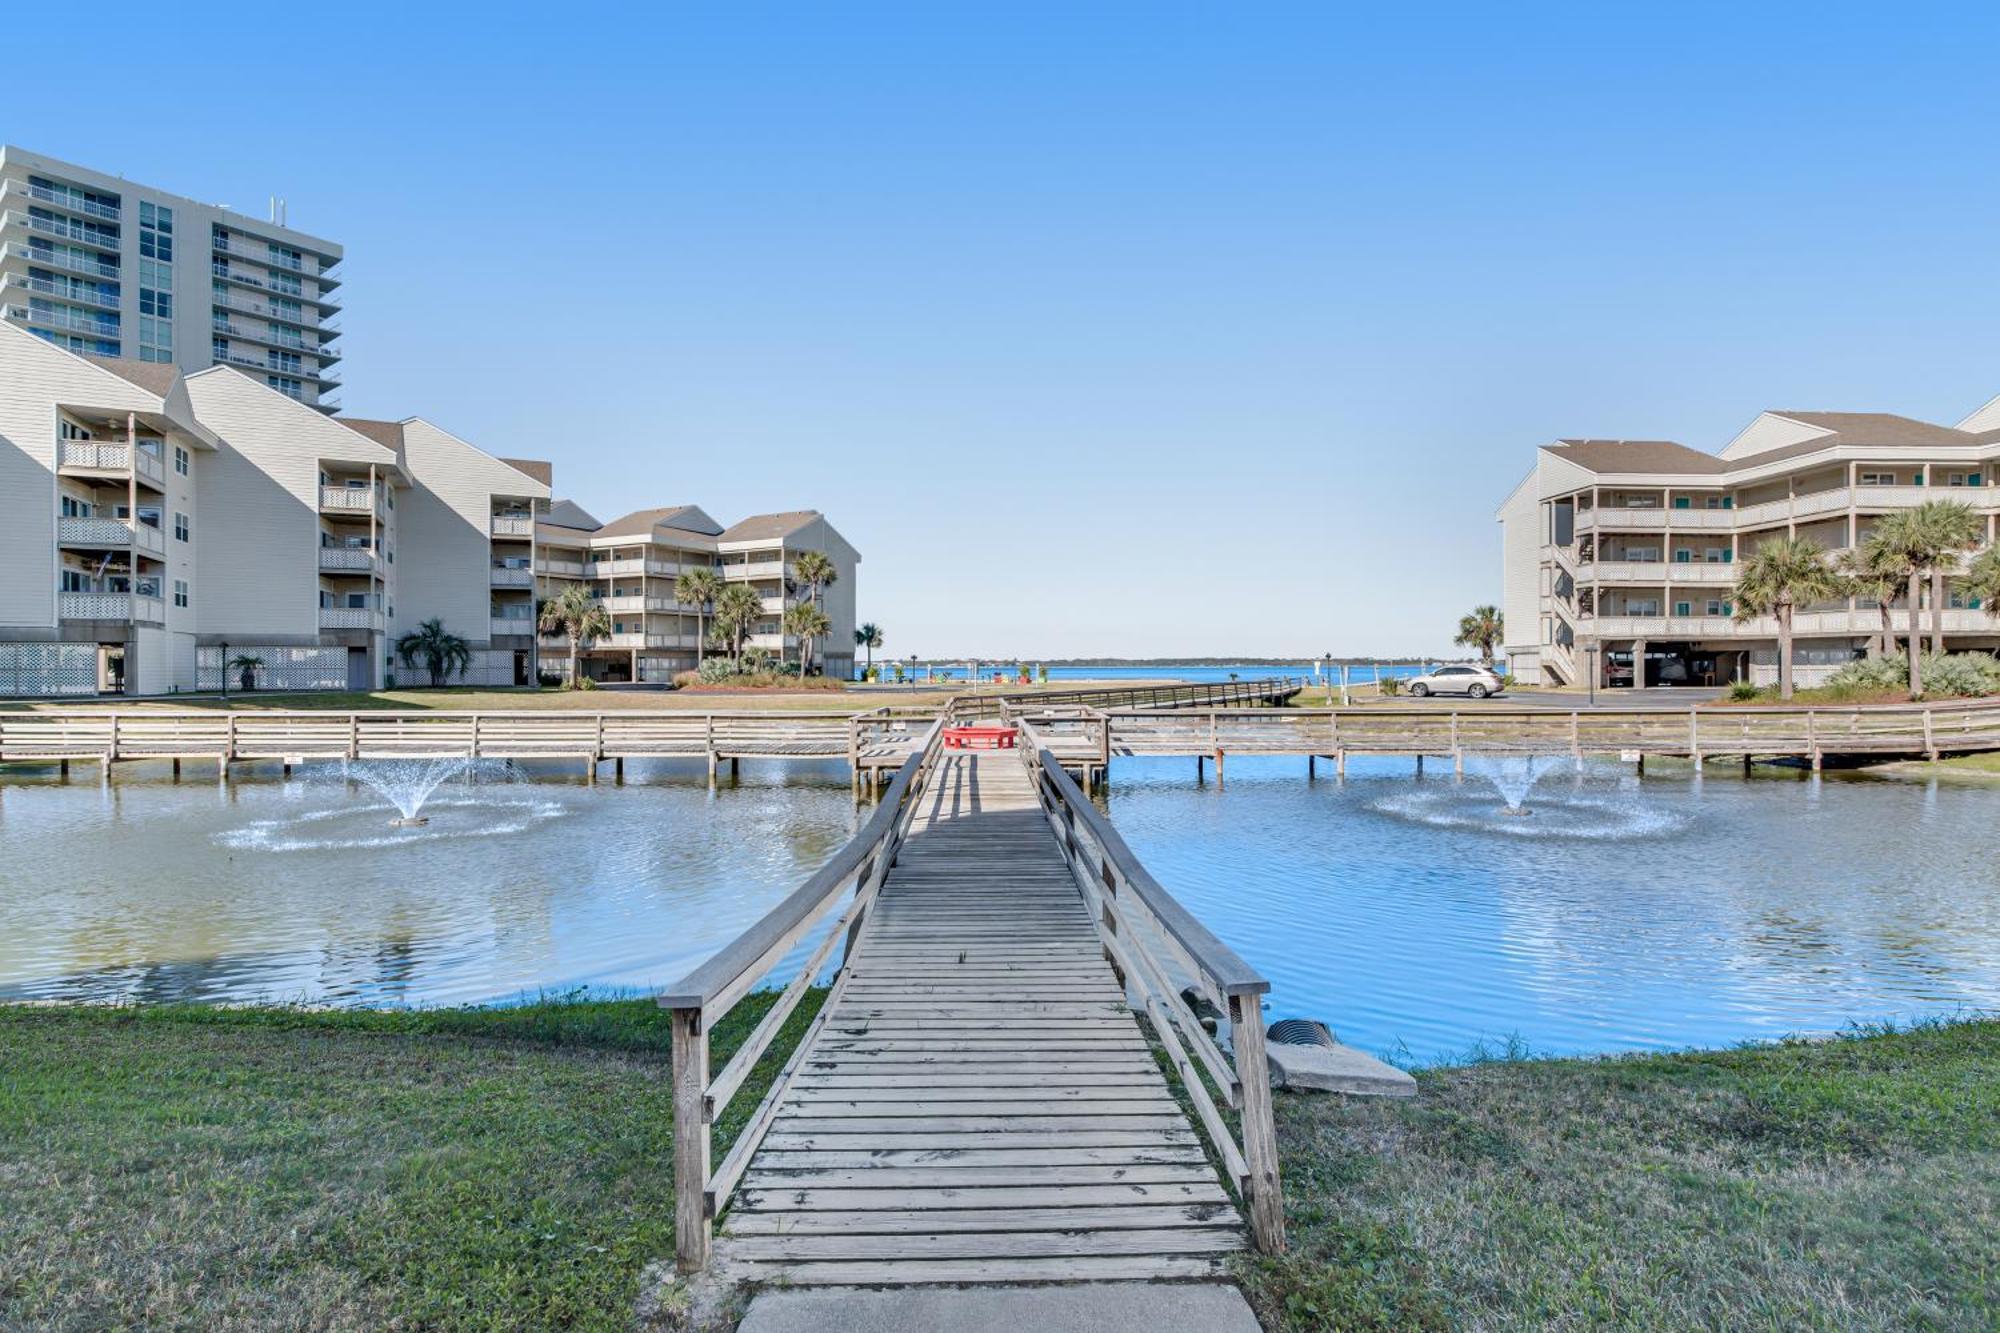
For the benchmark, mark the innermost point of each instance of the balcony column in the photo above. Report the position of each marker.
(132, 508)
(374, 550)
(1638, 664)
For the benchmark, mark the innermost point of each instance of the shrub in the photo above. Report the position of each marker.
(1391, 686)
(1743, 691)
(548, 679)
(683, 679)
(585, 683)
(1946, 675)
(715, 671)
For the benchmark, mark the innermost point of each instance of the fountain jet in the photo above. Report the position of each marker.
(1514, 775)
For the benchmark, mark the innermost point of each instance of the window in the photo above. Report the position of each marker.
(357, 601)
(1683, 556)
(1683, 502)
(1964, 479)
(1878, 479)
(181, 460)
(75, 508)
(180, 527)
(1715, 555)
(153, 302)
(1683, 608)
(180, 592)
(219, 347)
(285, 361)
(156, 336)
(156, 231)
(291, 388)
(1716, 607)
(1645, 606)
(75, 580)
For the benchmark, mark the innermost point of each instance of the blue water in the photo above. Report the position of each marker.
(1624, 914)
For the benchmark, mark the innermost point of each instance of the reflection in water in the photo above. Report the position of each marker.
(1624, 914)
(299, 890)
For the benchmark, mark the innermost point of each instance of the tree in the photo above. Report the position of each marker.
(1982, 580)
(1872, 570)
(806, 623)
(578, 617)
(1482, 629)
(442, 652)
(869, 636)
(737, 610)
(1950, 529)
(1785, 572)
(1906, 546)
(698, 588)
(816, 571)
(249, 664)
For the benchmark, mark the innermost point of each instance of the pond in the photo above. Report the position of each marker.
(1412, 915)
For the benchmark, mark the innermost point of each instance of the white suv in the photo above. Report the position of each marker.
(1475, 681)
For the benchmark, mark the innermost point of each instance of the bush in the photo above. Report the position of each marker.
(1391, 686)
(1946, 675)
(585, 683)
(715, 671)
(683, 679)
(1743, 691)
(548, 680)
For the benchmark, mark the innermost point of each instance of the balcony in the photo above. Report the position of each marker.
(350, 501)
(513, 525)
(350, 617)
(560, 568)
(283, 339)
(346, 560)
(64, 291)
(277, 314)
(110, 532)
(111, 606)
(512, 627)
(69, 199)
(1708, 572)
(73, 321)
(97, 457)
(756, 569)
(512, 577)
(661, 605)
(74, 233)
(15, 252)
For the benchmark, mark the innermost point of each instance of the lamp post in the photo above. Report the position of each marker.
(1326, 676)
(225, 671)
(1590, 669)
(913, 673)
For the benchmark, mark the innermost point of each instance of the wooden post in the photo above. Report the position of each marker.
(691, 1220)
(1930, 742)
(353, 735)
(112, 752)
(1218, 768)
(1266, 1203)
(709, 720)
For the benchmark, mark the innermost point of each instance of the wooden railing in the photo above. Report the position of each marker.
(705, 996)
(1208, 694)
(1152, 941)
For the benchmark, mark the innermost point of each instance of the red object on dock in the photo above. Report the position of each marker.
(980, 738)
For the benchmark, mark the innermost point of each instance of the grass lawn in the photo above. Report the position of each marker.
(213, 1169)
(478, 700)
(1852, 1184)
(188, 1168)
(1970, 767)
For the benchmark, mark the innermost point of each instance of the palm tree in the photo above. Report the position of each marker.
(1953, 529)
(1872, 570)
(1906, 548)
(806, 622)
(443, 652)
(1784, 572)
(1982, 580)
(698, 588)
(249, 664)
(578, 617)
(869, 636)
(1481, 630)
(737, 609)
(816, 571)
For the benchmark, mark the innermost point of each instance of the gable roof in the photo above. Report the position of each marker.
(533, 468)
(569, 514)
(155, 377)
(388, 434)
(641, 522)
(767, 527)
(1636, 456)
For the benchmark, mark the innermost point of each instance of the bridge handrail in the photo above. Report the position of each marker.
(1129, 904)
(706, 995)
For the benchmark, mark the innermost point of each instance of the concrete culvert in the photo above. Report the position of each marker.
(1300, 1032)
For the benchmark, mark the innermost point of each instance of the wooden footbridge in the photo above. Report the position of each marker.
(975, 1101)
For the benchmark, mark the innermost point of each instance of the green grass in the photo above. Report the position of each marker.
(471, 699)
(1851, 1184)
(195, 1168)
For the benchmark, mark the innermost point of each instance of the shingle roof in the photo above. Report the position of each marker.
(153, 376)
(541, 471)
(388, 434)
(569, 514)
(765, 527)
(1636, 456)
(641, 522)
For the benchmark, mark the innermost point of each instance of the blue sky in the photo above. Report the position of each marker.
(1141, 330)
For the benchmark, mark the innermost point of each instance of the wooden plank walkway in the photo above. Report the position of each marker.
(979, 1105)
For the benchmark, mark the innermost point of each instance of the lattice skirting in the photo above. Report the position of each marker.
(283, 669)
(50, 669)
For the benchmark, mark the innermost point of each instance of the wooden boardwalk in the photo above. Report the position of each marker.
(978, 1104)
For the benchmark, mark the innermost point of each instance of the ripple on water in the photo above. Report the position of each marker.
(349, 828)
(1550, 815)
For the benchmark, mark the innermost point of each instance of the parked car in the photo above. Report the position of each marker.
(1475, 681)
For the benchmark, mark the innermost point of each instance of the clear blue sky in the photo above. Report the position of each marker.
(1137, 330)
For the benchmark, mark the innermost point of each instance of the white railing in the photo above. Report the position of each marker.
(63, 290)
(510, 525)
(75, 234)
(350, 617)
(522, 625)
(276, 313)
(94, 606)
(571, 568)
(94, 454)
(58, 259)
(347, 498)
(760, 569)
(76, 321)
(346, 557)
(512, 577)
(76, 203)
(108, 532)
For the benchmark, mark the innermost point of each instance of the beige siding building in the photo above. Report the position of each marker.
(1619, 556)
(96, 264)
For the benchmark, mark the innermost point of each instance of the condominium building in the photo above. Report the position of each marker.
(1619, 556)
(631, 563)
(101, 266)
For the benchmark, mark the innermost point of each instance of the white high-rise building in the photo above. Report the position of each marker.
(102, 266)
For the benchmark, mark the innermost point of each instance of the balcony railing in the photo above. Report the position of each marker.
(523, 626)
(73, 233)
(346, 559)
(28, 254)
(64, 291)
(511, 525)
(110, 532)
(349, 499)
(111, 606)
(560, 568)
(74, 202)
(106, 456)
(350, 617)
(512, 577)
(75, 321)
(299, 317)
(756, 569)
(1658, 571)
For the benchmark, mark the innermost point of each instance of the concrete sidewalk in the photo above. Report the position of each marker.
(1090, 1307)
